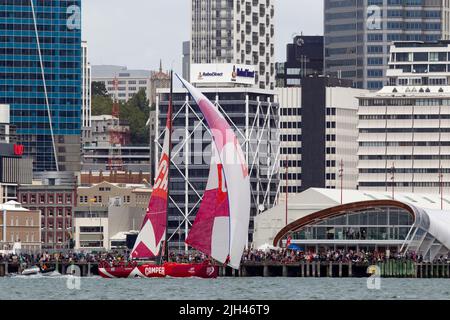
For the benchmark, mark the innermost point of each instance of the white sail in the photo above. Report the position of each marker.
(216, 211)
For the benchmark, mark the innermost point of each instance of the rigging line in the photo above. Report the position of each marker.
(260, 140)
(219, 107)
(181, 211)
(45, 84)
(181, 223)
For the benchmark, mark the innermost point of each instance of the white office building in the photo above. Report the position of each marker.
(404, 140)
(319, 134)
(129, 81)
(290, 102)
(235, 32)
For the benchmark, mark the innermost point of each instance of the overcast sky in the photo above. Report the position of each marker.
(137, 33)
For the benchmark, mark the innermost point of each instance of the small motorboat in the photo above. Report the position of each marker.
(49, 272)
(34, 270)
(45, 271)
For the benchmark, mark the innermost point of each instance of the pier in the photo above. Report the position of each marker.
(388, 269)
(86, 269)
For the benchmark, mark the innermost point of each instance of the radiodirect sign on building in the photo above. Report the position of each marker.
(223, 73)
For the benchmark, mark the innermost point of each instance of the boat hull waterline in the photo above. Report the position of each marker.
(172, 270)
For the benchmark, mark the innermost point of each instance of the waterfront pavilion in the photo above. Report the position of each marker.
(363, 221)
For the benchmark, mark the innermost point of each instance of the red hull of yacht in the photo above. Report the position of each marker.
(173, 270)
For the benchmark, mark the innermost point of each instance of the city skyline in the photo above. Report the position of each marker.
(103, 20)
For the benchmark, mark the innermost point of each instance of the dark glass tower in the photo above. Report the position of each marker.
(358, 34)
(40, 78)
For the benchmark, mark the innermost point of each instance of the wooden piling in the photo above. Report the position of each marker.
(340, 269)
(314, 269)
(266, 272)
(303, 269)
(350, 271)
(285, 271)
(318, 268)
(330, 269)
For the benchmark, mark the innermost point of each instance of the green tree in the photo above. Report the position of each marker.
(101, 105)
(99, 89)
(135, 112)
(140, 100)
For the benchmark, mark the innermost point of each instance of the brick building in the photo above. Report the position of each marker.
(55, 196)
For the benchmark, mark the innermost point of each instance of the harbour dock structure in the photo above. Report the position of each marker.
(387, 269)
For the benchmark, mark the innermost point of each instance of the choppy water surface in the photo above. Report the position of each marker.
(38, 287)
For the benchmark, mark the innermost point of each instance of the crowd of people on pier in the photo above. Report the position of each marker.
(344, 256)
(250, 256)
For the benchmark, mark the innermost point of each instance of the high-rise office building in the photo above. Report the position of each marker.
(187, 60)
(319, 134)
(304, 57)
(290, 101)
(235, 32)
(86, 110)
(40, 78)
(404, 129)
(358, 34)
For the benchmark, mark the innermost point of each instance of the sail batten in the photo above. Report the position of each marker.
(221, 226)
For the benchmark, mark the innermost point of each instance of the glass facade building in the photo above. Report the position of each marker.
(40, 78)
(358, 34)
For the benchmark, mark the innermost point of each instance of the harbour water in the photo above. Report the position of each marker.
(95, 288)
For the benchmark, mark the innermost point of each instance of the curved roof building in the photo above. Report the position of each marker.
(318, 221)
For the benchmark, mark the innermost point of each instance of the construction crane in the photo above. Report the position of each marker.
(116, 134)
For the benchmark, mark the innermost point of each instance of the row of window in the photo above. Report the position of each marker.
(99, 199)
(46, 198)
(404, 102)
(29, 222)
(15, 237)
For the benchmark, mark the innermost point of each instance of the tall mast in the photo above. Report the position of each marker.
(169, 116)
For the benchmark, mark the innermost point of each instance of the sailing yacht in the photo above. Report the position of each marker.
(220, 229)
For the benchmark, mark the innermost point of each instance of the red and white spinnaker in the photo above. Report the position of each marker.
(153, 230)
(221, 226)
